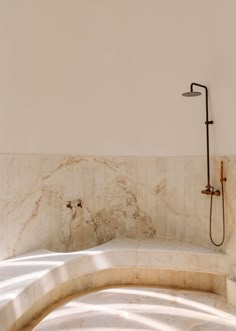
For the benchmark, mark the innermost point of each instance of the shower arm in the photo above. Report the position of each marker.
(209, 188)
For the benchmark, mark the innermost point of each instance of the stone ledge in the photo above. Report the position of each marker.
(26, 279)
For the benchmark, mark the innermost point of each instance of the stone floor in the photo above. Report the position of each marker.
(142, 309)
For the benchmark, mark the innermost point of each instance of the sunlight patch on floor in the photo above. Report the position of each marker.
(142, 309)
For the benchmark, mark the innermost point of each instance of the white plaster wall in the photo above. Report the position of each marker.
(106, 76)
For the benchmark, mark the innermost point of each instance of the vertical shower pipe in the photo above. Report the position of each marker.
(209, 188)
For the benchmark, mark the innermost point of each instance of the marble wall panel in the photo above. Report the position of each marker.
(110, 197)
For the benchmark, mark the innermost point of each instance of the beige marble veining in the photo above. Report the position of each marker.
(135, 197)
(146, 198)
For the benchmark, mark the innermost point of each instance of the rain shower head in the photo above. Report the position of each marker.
(191, 94)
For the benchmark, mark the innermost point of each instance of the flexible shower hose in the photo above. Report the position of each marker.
(223, 218)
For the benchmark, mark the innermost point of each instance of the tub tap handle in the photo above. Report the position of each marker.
(69, 205)
(79, 204)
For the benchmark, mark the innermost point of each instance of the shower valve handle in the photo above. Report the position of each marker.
(211, 192)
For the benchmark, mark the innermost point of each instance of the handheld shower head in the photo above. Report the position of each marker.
(191, 94)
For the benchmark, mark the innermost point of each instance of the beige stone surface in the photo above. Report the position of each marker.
(142, 308)
(134, 197)
(146, 198)
(32, 282)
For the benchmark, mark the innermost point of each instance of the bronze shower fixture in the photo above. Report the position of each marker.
(210, 190)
